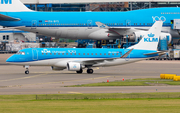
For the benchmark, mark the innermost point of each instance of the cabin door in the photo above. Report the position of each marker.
(33, 24)
(34, 54)
(89, 24)
(128, 23)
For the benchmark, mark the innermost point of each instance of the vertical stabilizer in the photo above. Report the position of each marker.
(150, 39)
(12, 6)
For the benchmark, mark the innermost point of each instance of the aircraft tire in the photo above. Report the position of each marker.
(80, 71)
(27, 72)
(90, 71)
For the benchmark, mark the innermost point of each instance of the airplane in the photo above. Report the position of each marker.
(76, 59)
(86, 25)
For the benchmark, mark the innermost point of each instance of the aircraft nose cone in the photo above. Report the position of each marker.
(10, 59)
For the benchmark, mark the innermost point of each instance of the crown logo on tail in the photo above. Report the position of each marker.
(150, 35)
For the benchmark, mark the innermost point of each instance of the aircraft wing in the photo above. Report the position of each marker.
(7, 28)
(8, 18)
(116, 30)
(96, 61)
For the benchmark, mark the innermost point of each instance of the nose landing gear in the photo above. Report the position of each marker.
(27, 69)
(27, 72)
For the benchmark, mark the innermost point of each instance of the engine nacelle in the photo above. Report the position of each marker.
(74, 66)
(103, 34)
(138, 35)
(57, 68)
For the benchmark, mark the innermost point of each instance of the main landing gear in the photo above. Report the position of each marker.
(27, 70)
(80, 71)
(90, 71)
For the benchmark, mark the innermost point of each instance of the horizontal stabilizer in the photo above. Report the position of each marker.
(8, 18)
(159, 52)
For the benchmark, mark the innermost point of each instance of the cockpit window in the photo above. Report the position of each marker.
(20, 53)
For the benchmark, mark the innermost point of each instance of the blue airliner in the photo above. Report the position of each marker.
(85, 25)
(75, 59)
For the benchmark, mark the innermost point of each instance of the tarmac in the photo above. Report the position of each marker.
(42, 80)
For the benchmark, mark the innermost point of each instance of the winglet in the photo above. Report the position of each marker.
(101, 25)
(150, 39)
(126, 54)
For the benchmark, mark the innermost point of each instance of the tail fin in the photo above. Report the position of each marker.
(150, 39)
(12, 6)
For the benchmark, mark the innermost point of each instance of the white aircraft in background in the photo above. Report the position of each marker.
(85, 25)
(76, 59)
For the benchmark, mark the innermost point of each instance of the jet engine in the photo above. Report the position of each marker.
(74, 66)
(138, 35)
(103, 34)
(57, 68)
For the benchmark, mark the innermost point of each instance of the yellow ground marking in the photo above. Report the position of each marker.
(75, 92)
(22, 78)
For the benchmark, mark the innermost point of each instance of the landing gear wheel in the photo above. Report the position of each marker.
(26, 72)
(80, 71)
(90, 71)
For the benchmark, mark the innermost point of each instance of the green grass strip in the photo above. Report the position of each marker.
(133, 82)
(90, 96)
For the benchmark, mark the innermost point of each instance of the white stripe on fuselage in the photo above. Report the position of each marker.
(62, 62)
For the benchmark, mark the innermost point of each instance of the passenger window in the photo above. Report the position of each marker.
(42, 53)
(62, 53)
(46, 53)
(108, 53)
(96, 53)
(100, 54)
(66, 53)
(83, 53)
(50, 53)
(113, 54)
(74, 53)
(58, 53)
(88, 54)
(54, 53)
(79, 54)
(91, 53)
(104, 53)
(71, 53)
(117, 54)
